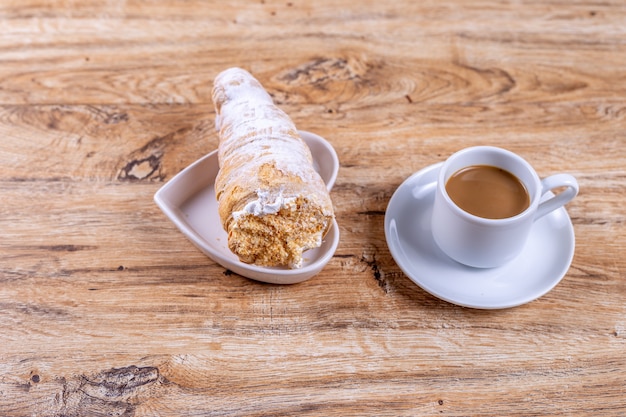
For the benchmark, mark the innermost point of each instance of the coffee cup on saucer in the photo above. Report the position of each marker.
(486, 202)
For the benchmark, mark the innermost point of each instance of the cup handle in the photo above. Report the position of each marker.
(562, 198)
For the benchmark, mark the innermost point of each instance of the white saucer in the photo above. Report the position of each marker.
(539, 268)
(188, 200)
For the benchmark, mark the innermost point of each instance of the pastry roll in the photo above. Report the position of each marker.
(271, 201)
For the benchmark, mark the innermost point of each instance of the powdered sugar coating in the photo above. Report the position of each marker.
(248, 111)
(271, 201)
(247, 119)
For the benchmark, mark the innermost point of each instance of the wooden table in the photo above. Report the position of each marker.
(107, 309)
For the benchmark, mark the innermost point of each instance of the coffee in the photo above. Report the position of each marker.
(488, 191)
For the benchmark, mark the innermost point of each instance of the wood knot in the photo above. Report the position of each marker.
(141, 169)
(329, 79)
(119, 384)
(378, 274)
(145, 163)
(323, 70)
(115, 118)
(116, 391)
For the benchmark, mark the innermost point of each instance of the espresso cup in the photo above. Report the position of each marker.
(484, 242)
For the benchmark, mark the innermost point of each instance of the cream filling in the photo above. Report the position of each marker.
(266, 203)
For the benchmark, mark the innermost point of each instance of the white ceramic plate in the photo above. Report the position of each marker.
(541, 266)
(188, 200)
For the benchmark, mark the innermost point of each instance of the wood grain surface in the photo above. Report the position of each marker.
(107, 309)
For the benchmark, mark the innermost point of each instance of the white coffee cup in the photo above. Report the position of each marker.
(482, 242)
